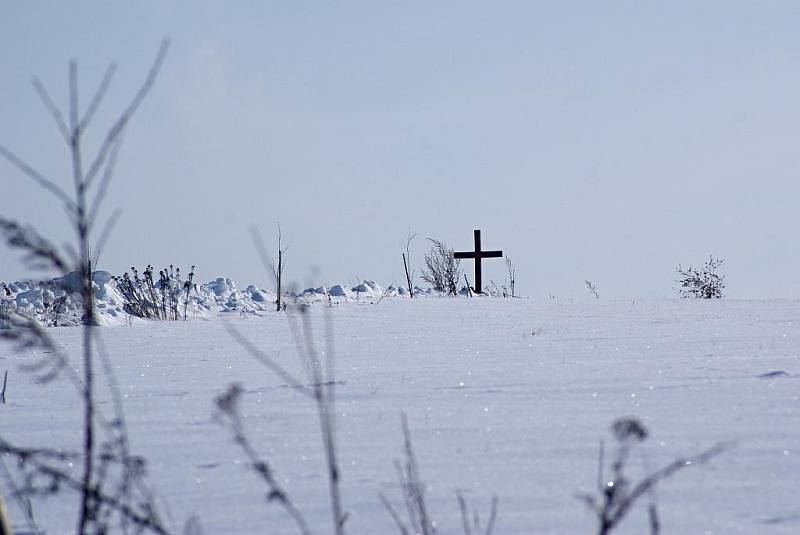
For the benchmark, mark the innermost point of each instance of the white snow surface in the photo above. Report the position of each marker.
(506, 397)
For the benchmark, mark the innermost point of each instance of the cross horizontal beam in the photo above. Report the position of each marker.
(478, 254)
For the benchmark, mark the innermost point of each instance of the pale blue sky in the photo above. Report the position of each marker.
(589, 140)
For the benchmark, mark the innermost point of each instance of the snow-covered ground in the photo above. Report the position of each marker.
(506, 397)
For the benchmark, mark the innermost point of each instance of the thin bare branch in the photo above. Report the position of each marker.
(306, 361)
(69, 250)
(601, 461)
(492, 517)
(261, 357)
(120, 424)
(143, 519)
(109, 226)
(393, 513)
(228, 416)
(258, 241)
(39, 251)
(58, 117)
(415, 487)
(37, 177)
(407, 499)
(98, 97)
(330, 361)
(73, 99)
(23, 502)
(113, 386)
(462, 505)
(310, 349)
(664, 473)
(105, 180)
(263, 254)
(122, 121)
(327, 422)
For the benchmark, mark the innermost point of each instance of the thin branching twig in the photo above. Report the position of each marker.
(320, 387)
(228, 416)
(96, 505)
(618, 496)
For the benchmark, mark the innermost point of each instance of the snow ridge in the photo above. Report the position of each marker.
(57, 302)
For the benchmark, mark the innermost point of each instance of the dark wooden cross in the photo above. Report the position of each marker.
(477, 254)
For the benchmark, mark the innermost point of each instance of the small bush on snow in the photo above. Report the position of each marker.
(145, 297)
(703, 283)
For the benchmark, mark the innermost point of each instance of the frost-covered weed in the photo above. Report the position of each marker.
(703, 283)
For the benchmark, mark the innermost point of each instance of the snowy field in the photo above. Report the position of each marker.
(506, 397)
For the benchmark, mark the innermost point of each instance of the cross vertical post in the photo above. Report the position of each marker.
(478, 255)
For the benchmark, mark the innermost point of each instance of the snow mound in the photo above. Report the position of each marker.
(58, 302)
(339, 291)
(367, 287)
(222, 295)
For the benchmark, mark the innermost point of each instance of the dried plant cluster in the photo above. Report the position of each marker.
(164, 299)
(442, 268)
(704, 282)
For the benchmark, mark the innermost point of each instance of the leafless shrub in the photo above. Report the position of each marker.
(618, 494)
(703, 283)
(511, 270)
(110, 475)
(418, 516)
(592, 289)
(269, 263)
(442, 268)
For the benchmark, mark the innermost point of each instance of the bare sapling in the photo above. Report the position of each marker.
(100, 500)
(407, 265)
(275, 269)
